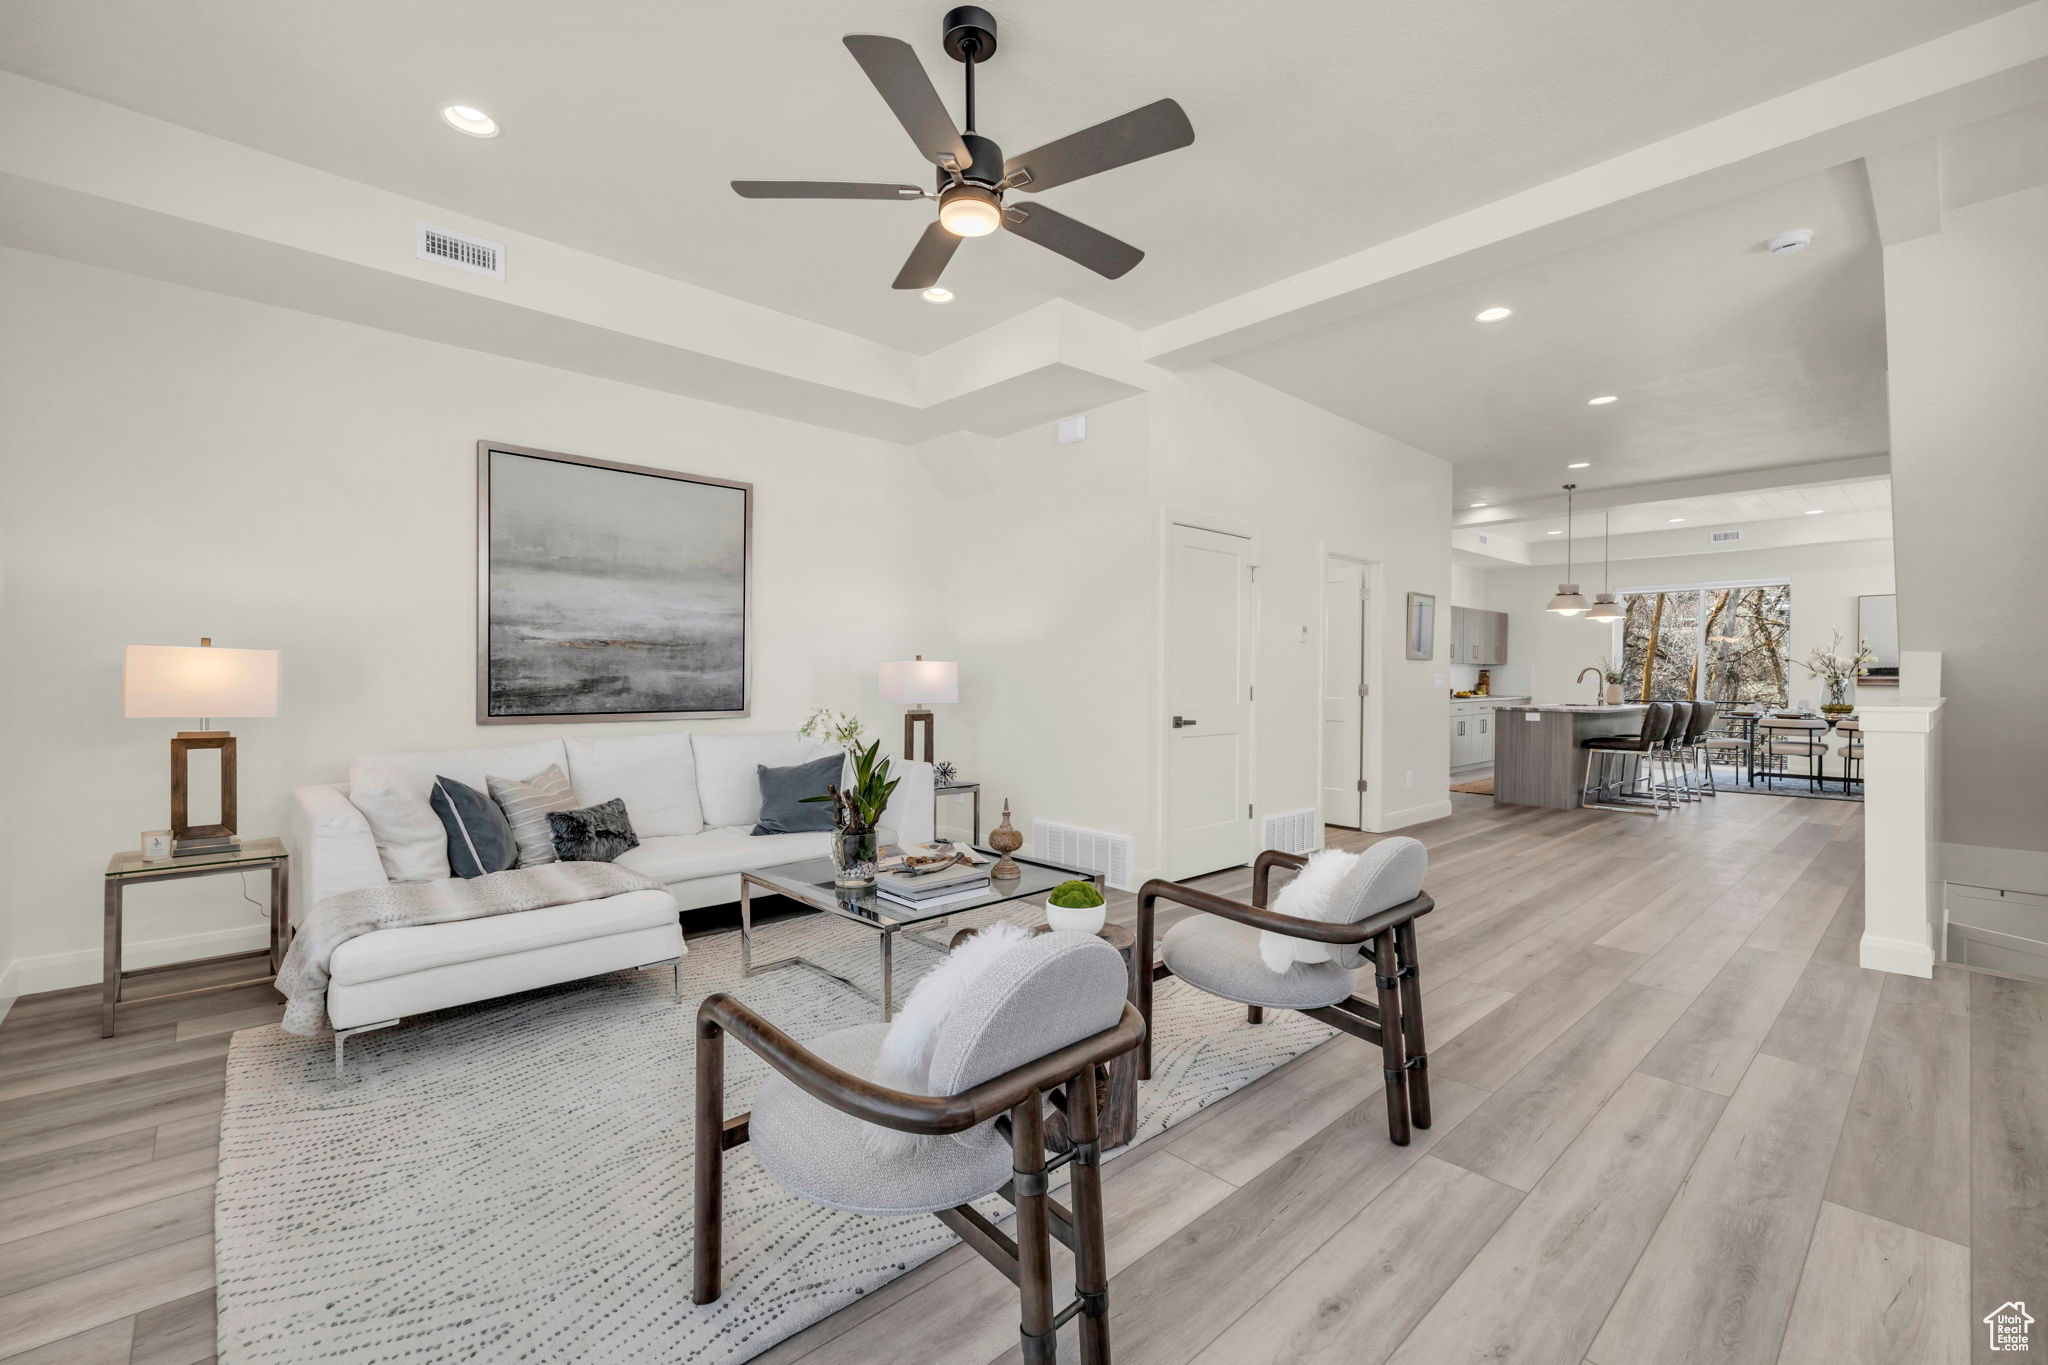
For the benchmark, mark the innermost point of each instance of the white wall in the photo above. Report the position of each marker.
(179, 463)
(1062, 551)
(1969, 416)
(1826, 580)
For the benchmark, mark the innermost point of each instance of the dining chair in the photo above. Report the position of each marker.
(1796, 736)
(1851, 731)
(1030, 1030)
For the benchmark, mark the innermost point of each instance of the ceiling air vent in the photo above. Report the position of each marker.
(464, 252)
(1723, 537)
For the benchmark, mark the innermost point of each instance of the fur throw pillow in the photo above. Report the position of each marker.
(1312, 895)
(905, 1060)
(595, 834)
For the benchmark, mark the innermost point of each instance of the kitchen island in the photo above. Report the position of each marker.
(1537, 760)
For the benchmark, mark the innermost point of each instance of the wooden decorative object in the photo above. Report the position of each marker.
(911, 720)
(1005, 840)
(182, 830)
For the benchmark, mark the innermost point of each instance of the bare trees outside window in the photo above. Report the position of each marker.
(1713, 644)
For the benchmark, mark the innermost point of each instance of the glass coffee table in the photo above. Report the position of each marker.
(810, 883)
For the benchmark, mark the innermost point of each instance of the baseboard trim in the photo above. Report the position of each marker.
(1899, 956)
(1414, 815)
(10, 987)
(62, 971)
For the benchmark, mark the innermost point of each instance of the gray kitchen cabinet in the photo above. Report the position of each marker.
(1478, 637)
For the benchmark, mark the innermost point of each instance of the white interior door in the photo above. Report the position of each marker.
(1208, 692)
(1344, 694)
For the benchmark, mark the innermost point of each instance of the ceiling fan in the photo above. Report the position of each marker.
(973, 174)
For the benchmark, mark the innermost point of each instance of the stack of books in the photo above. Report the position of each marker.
(931, 890)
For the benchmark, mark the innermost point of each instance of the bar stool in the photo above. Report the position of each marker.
(1667, 752)
(1642, 745)
(1851, 731)
(1695, 738)
(1796, 737)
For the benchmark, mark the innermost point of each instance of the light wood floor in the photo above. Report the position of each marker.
(1675, 1121)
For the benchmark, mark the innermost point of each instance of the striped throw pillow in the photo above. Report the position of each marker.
(526, 805)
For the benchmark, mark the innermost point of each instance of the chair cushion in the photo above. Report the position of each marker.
(1721, 742)
(720, 853)
(655, 775)
(1035, 999)
(1222, 957)
(1793, 746)
(817, 1151)
(1852, 751)
(728, 785)
(415, 948)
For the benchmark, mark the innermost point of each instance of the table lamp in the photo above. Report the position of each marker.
(198, 680)
(918, 683)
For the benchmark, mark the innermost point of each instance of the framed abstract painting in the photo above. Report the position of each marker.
(609, 591)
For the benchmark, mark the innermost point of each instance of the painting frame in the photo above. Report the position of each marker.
(485, 450)
(1420, 624)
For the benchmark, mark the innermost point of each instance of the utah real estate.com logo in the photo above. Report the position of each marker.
(2008, 1325)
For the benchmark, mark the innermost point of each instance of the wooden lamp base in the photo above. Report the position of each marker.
(186, 837)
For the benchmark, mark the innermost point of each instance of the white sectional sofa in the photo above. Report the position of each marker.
(693, 801)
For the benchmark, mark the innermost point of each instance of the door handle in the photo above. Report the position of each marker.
(1179, 721)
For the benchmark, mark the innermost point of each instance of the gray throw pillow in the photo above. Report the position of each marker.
(595, 834)
(479, 837)
(783, 809)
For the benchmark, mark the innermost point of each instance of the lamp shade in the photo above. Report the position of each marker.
(1605, 608)
(919, 681)
(1567, 602)
(198, 680)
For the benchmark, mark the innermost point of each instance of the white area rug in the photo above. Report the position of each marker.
(512, 1181)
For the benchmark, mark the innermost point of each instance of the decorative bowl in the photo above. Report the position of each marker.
(1080, 919)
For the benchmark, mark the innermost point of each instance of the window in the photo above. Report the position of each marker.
(1713, 643)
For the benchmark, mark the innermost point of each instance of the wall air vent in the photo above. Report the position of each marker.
(1293, 832)
(1085, 849)
(1723, 537)
(464, 252)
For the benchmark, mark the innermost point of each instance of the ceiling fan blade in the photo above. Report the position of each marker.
(927, 259)
(1072, 238)
(900, 77)
(1158, 127)
(822, 189)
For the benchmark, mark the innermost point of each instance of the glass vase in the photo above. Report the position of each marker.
(854, 856)
(1837, 703)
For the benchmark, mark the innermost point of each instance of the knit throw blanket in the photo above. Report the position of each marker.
(398, 905)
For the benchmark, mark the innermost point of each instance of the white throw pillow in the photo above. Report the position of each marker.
(1312, 895)
(905, 1060)
(655, 775)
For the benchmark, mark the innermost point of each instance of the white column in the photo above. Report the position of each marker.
(1902, 883)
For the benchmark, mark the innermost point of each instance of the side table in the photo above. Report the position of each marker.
(131, 868)
(1116, 1081)
(953, 789)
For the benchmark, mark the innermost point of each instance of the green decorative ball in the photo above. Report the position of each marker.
(1075, 895)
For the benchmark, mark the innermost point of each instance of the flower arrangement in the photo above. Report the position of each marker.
(1838, 670)
(1612, 671)
(833, 727)
(857, 811)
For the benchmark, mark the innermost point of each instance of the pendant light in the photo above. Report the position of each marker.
(1605, 608)
(1567, 602)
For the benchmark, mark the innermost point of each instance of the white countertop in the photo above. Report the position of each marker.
(1581, 708)
(1489, 697)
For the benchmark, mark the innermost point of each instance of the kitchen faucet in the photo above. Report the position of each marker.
(1599, 676)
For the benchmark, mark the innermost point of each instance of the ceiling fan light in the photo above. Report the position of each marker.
(969, 211)
(1567, 602)
(1605, 608)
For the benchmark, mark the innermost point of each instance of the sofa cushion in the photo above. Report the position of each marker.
(392, 791)
(479, 839)
(594, 834)
(415, 948)
(655, 775)
(786, 804)
(720, 853)
(728, 782)
(1222, 958)
(527, 805)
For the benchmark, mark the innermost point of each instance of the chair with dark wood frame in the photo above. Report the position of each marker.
(1385, 938)
(1015, 1100)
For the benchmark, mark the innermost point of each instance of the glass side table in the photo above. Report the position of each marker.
(954, 789)
(131, 868)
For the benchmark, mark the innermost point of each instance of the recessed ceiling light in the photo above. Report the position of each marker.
(1602, 401)
(1582, 464)
(1815, 511)
(1553, 533)
(938, 294)
(1492, 314)
(1674, 519)
(1478, 504)
(466, 118)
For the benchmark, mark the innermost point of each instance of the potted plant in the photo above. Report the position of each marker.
(857, 808)
(1075, 905)
(1611, 671)
(1839, 671)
